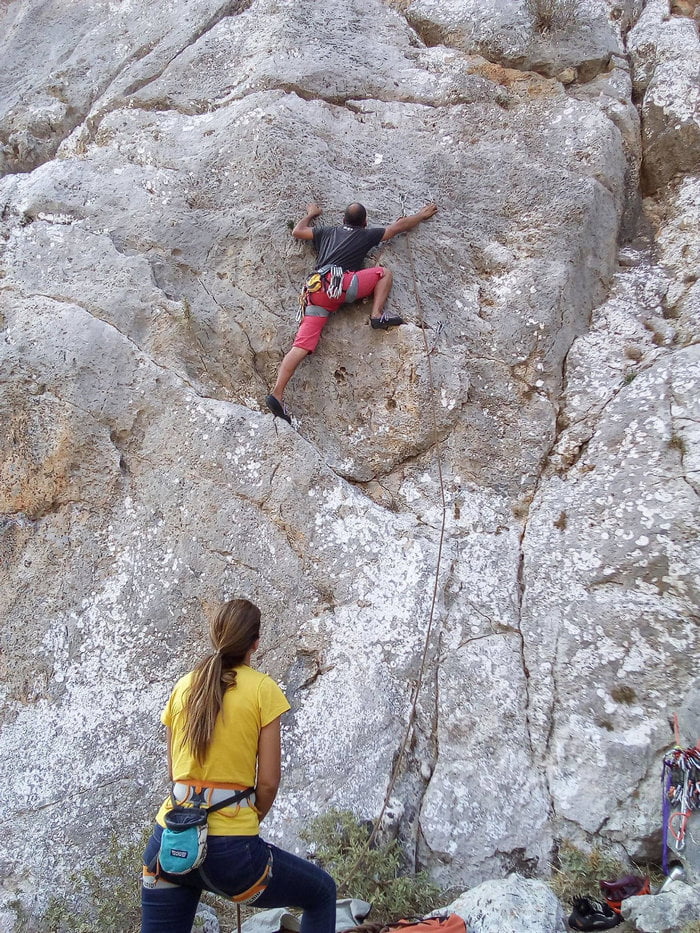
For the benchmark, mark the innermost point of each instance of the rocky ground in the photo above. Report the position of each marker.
(531, 457)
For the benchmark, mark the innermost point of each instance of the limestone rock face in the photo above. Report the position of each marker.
(665, 52)
(482, 523)
(666, 913)
(580, 36)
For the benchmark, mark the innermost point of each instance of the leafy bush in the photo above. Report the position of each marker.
(105, 897)
(379, 875)
(550, 15)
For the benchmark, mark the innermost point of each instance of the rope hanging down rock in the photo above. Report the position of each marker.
(431, 617)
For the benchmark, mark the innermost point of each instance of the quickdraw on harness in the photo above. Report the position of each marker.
(334, 288)
(329, 278)
(681, 794)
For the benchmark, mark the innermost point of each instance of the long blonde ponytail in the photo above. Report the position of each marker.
(233, 633)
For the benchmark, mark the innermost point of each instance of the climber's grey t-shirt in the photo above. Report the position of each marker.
(345, 246)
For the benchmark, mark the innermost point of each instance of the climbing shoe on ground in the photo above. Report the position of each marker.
(592, 915)
(615, 892)
(386, 321)
(277, 408)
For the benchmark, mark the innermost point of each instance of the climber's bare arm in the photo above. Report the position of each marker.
(304, 230)
(404, 224)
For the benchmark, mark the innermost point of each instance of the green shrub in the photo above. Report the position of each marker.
(379, 875)
(104, 897)
(677, 442)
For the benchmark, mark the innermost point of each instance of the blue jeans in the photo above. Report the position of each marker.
(233, 864)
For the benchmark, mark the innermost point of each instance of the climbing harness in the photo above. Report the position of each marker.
(211, 795)
(183, 844)
(152, 879)
(251, 894)
(680, 779)
(331, 278)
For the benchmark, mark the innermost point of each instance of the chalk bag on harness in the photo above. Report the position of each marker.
(183, 844)
(313, 284)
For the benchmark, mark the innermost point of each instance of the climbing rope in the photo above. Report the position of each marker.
(431, 617)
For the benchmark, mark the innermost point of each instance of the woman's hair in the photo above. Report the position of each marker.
(233, 632)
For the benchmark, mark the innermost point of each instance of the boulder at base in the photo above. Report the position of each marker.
(512, 905)
(664, 913)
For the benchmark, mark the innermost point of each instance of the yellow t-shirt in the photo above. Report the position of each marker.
(254, 701)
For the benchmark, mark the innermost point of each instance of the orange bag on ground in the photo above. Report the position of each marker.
(452, 923)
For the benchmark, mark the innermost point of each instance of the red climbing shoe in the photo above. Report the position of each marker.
(615, 892)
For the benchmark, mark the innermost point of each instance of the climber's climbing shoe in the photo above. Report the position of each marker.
(277, 408)
(615, 892)
(592, 915)
(386, 321)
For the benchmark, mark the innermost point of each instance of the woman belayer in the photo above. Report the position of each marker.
(223, 731)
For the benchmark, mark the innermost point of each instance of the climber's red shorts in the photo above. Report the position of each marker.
(309, 332)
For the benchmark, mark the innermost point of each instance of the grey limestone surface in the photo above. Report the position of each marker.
(520, 463)
(510, 905)
(676, 909)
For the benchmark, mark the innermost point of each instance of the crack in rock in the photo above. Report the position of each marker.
(229, 9)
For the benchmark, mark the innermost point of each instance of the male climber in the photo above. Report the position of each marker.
(341, 249)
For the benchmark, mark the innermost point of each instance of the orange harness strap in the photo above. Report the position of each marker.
(256, 888)
(249, 894)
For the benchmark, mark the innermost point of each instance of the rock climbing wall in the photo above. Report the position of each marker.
(523, 471)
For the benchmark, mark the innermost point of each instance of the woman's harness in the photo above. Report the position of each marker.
(187, 820)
